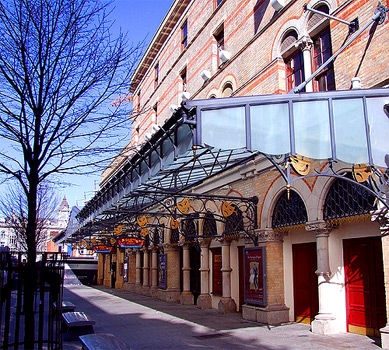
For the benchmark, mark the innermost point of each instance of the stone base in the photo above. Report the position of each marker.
(154, 291)
(138, 288)
(324, 325)
(226, 306)
(204, 301)
(385, 337)
(130, 286)
(272, 314)
(119, 285)
(186, 298)
(146, 290)
(169, 295)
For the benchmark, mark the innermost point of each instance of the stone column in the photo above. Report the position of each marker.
(306, 44)
(146, 270)
(204, 300)
(131, 270)
(154, 271)
(226, 304)
(324, 322)
(186, 297)
(383, 218)
(100, 268)
(275, 312)
(172, 292)
(138, 267)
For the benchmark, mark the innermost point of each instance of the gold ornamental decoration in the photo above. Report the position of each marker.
(227, 209)
(112, 241)
(300, 165)
(118, 230)
(361, 172)
(174, 224)
(184, 206)
(144, 232)
(142, 221)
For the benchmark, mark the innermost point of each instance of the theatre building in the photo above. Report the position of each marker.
(256, 177)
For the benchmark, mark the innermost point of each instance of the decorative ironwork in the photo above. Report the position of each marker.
(346, 199)
(234, 222)
(289, 212)
(300, 165)
(175, 235)
(209, 226)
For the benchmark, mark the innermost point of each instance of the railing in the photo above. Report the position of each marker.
(48, 290)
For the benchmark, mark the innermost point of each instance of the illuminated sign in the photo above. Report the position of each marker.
(102, 248)
(131, 242)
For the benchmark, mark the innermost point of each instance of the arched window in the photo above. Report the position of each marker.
(294, 60)
(234, 222)
(175, 235)
(227, 90)
(345, 199)
(209, 227)
(318, 27)
(189, 228)
(289, 211)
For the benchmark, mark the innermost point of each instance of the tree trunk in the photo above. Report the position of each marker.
(31, 275)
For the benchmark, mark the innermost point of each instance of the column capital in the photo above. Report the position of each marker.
(268, 235)
(320, 227)
(169, 247)
(205, 242)
(305, 43)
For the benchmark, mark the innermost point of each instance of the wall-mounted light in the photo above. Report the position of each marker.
(155, 127)
(206, 75)
(185, 95)
(356, 83)
(224, 55)
(277, 4)
(148, 135)
(173, 108)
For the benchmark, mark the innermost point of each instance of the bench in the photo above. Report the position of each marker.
(67, 306)
(102, 341)
(76, 324)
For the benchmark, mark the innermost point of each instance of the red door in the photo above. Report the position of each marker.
(365, 291)
(306, 300)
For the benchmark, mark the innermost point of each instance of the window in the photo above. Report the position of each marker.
(219, 37)
(217, 283)
(322, 51)
(183, 79)
(294, 70)
(156, 75)
(184, 35)
(227, 90)
(217, 2)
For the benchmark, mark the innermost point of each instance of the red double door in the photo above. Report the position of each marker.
(365, 290)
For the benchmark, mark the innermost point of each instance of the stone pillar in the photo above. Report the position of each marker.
(383, 219)
(306, 44)
(138, 267)
(186, 297)
(154, 271)
(119, 269)
(107, 270)
(172, 292)
(100, 268)
(131, 270)
(275, 312)
(204, 300)
(146, 271)
(324, 322)
(226, 304)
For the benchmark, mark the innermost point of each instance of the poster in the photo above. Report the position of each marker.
(254, 276)
(125, 269)
(162, 269)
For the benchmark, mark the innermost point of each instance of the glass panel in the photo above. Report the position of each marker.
(224, 128)
(312, 129)
(184, 139)
(379, 126)
(270, 128)
(350, 134)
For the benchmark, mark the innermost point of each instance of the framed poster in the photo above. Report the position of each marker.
(255, 276)
(125, 269)
(162, 269)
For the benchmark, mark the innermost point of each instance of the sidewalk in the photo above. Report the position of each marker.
(148, 323)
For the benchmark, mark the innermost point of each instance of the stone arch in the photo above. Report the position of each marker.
(275, 190)
(291, 25)
(307, 16)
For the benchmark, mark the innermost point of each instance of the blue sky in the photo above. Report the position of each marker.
(140, 19)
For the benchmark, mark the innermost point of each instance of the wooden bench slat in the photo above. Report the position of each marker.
(102, 341)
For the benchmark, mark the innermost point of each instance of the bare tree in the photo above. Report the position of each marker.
(59, 70)
(14, 208)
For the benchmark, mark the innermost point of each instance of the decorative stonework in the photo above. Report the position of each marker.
(305, 43)
(269, 235)
(319, 226)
